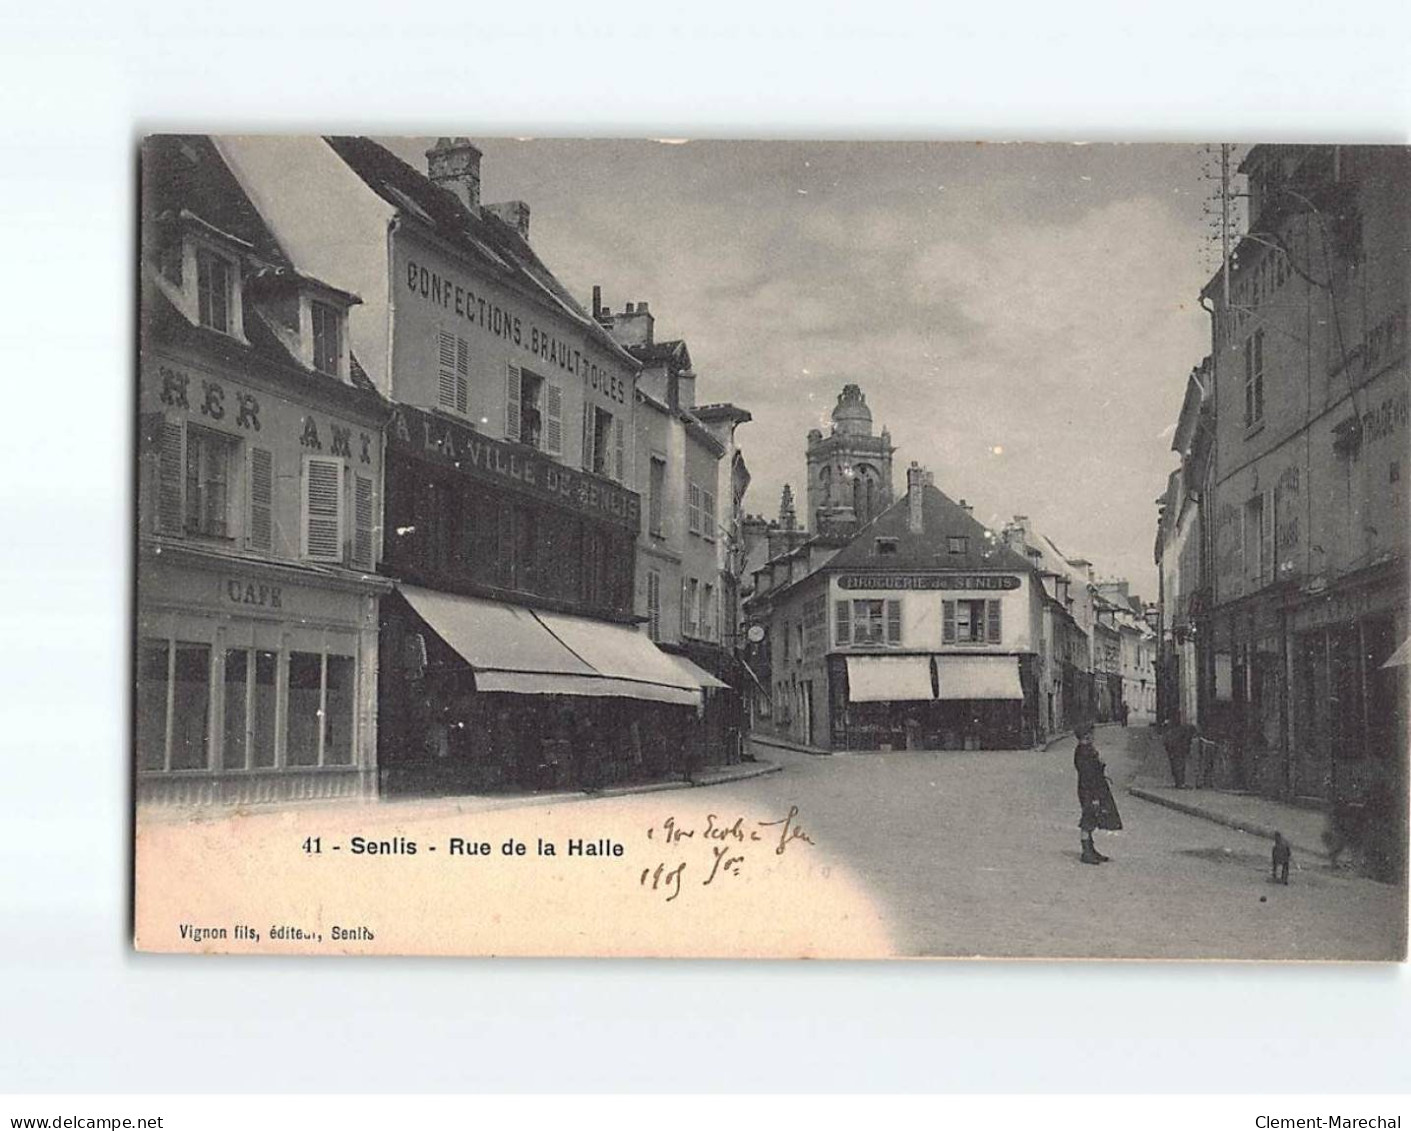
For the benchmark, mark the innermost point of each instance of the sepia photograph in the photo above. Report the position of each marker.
(698, 548)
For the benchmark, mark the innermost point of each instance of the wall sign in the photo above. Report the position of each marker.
(988, 581)
(239, 592)
(423, 434)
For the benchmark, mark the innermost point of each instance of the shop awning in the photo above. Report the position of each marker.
(623, 656)
(1401, 657)
(979, 677)
(512, 649)
(889, 679)
(695, 672)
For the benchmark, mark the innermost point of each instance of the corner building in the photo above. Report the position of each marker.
(512, 658)
(259, 496)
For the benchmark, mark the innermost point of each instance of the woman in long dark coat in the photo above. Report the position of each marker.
(1098, 809)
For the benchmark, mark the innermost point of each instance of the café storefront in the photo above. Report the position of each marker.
(511, 655)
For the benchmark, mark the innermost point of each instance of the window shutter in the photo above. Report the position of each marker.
(261, 529)
(587, 437)
(992, 625)
(619, 449)
(323, 508)
(693, 510)
(553, 423)
(654, 604)
(462, 375)
(842, 629)
(362, 521)
(171, 474)
(708, 515)
(1266, 534)
(446, 369)
(512, 395)
(893, 622)
(947, 622)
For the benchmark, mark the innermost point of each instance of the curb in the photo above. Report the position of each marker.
(780, 744)
(758, 770)
(1237, 823)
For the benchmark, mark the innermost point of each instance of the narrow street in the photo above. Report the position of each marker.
(977, 853)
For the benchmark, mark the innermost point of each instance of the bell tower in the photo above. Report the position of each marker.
(849, 470)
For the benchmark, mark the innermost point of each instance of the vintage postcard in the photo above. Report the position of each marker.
(695, 548)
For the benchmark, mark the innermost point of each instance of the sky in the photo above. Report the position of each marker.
(1021, 317)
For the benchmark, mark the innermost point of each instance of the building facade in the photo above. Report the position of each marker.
(512, 654)
(259, 507)
(920, 631)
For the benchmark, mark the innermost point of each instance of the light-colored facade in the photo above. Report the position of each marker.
(259, 503)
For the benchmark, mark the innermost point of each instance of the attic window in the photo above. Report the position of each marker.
(958, 544)
(886, 545)
(328, 346)
(213, 281)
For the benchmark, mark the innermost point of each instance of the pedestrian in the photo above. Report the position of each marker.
(1097, 808)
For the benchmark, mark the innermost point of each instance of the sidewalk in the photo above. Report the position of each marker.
(1247, 812)
(778, 743)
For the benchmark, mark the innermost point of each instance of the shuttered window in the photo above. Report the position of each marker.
(842, 626)
(693, 509)
(452, 372)
(707, 611)
(362, 521)
(894, 622)
(323, 509)
(171, 478)
(708, 515)
(513, 392)
(260, 535)
(654, 604)
(589, 415)
(619, 444)
(553, 419)
(947, 622)
(992, 622)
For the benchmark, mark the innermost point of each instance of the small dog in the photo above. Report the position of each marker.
(1283, 853)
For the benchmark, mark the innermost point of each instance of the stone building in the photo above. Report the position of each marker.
(512, 657)
(258, 506)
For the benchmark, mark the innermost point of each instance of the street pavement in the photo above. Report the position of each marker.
(948, 854)
(976, 853)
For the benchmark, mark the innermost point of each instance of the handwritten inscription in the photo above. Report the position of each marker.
(731, 844)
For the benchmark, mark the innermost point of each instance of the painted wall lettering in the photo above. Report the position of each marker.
(249, 593)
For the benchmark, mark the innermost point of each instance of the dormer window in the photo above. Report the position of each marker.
(886, 545)
(958, 544)
(213, 290)
(328, 338)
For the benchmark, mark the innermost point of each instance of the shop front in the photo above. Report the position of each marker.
(929, 702)
(256, 681)
(497, 696)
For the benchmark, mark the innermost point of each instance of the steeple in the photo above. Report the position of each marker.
(787, 518)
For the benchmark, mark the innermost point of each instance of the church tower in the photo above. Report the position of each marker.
(849, 470)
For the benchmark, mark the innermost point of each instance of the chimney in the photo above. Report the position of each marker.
(515, 213)
(966, 507)
(915, 480)
(597, 302)
(634, 326)
(454, 164)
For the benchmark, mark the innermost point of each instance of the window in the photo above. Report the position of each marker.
(323, 509)
(531, 422)
(208, 473)
(213, 279)
(708, 516)
(707, 611)
(886, 545)
(693, 508)
(1254, 379)
(656, 501)
(842, 626)
(691, 605)
(654, 604)
(872, 622)
(958, 544)
(1257, 555)
(971, 622)
(173, 705)
(319, 729)
(249, 708)
(605, 443)
(328, 338)
(452, 372)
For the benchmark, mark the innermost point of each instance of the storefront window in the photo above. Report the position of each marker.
(262, 730)
(305, 706)
(191, 701)
(237, 668)
(338, 727)
(152, 704)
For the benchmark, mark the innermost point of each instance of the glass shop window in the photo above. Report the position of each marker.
(338, 711)
(152, 685)
(190, 706)
(305, 708)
